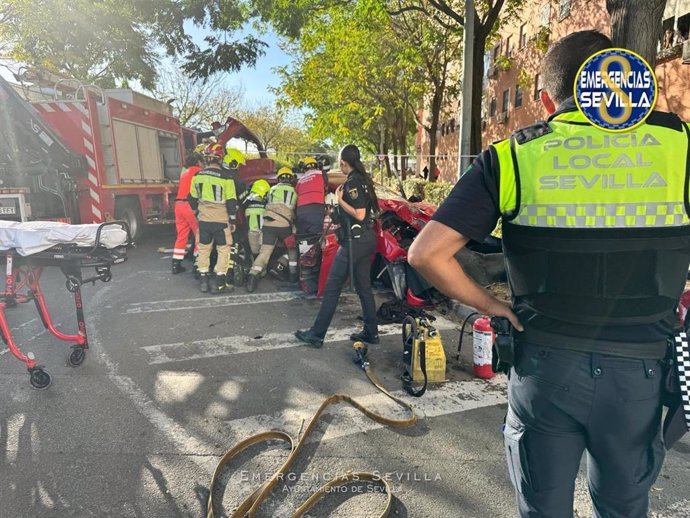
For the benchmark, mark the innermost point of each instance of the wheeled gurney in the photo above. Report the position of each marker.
(28, 248)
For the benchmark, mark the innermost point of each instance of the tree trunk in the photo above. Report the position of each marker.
(477, 87)
(402, 142)
(636, 25)
(385, 153)
(436, 103)
(395, 152)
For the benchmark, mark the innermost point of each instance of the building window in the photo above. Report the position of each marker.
(563, 9)
(492, 107)
(545, 15)
(523, 35)
(537, 86)
(506, 100)
(509, 46)
(518, 96)
(497, 51)
(452, 125)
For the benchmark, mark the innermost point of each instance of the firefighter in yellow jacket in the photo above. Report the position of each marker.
(278, 223)
(213, 194)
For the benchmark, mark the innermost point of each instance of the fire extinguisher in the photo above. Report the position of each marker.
(483, 340)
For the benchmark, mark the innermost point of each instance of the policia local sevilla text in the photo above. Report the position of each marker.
(622, 160)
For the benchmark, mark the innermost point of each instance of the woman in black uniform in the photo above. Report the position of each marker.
(358, 205)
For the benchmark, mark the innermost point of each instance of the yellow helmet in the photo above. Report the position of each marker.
(285, 171)
(233, 158)
(261, 187)
(310, 163)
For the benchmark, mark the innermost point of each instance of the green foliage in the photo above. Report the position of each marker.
(111, 42)
(429, 192)
(541, 41)
(524, 79)
(504, 62)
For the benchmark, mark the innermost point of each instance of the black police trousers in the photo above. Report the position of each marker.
(562, 403)
(362, 249)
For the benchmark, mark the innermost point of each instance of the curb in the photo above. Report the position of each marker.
(462, 311)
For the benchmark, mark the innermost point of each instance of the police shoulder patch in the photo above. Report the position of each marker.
(532, 132)
(354, 193)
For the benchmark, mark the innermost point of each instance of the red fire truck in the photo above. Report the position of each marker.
(100, 155)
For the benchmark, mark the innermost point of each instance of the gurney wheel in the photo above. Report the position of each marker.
(39, 379)
(77, 356)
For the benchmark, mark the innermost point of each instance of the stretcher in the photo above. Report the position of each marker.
(27, 249)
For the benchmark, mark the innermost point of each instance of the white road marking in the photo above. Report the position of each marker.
(230, 345)
(444, 399)
(210, 302)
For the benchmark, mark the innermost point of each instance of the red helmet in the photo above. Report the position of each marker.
(214, 151)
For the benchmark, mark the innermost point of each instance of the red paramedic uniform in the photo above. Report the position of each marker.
(185, 220)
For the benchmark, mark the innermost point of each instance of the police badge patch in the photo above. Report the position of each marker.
(354, 193)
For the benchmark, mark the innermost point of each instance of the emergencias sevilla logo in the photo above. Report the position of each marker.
(616, 89)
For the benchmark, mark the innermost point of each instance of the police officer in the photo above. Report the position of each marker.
(212, 193)
(357, 206)
(595, 273)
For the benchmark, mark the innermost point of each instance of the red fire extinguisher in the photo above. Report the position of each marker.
(483, 339)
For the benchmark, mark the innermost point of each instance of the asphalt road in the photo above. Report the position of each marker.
(175, 378)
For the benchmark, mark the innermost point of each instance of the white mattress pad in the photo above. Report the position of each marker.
(33, 237)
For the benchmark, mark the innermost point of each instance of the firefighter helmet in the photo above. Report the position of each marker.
(261, 188)
(310, 163)
(285, 172)
(214, 152)
(233, 158)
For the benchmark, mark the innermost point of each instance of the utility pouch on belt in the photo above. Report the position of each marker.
(676, 389)
(503, 351)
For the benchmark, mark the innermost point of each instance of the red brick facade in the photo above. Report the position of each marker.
(511, 84)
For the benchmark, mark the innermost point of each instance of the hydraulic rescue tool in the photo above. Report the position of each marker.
(423, 354)
(250, 506)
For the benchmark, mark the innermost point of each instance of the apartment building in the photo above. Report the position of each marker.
(510, 96)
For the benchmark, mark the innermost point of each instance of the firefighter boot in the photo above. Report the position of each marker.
(220, 285)
(177, 266)
(252, 282)
(204, 282)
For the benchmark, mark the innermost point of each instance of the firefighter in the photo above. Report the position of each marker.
(357, 208)
(254, 209)
(185, 220)
(239, 236)
(311, 209)
(213, 194)
(309, 164)
(595, 272)
(278, 221)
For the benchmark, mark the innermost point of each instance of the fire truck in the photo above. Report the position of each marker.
(96, 155)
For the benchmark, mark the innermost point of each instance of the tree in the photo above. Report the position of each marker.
(636, 25)
(361, 91)
(435, 48)
(269, 123)
(198, 103)
(109, 42)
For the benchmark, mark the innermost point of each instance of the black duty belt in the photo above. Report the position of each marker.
(643, 351)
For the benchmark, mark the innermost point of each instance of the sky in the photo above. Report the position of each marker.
(255, 80)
